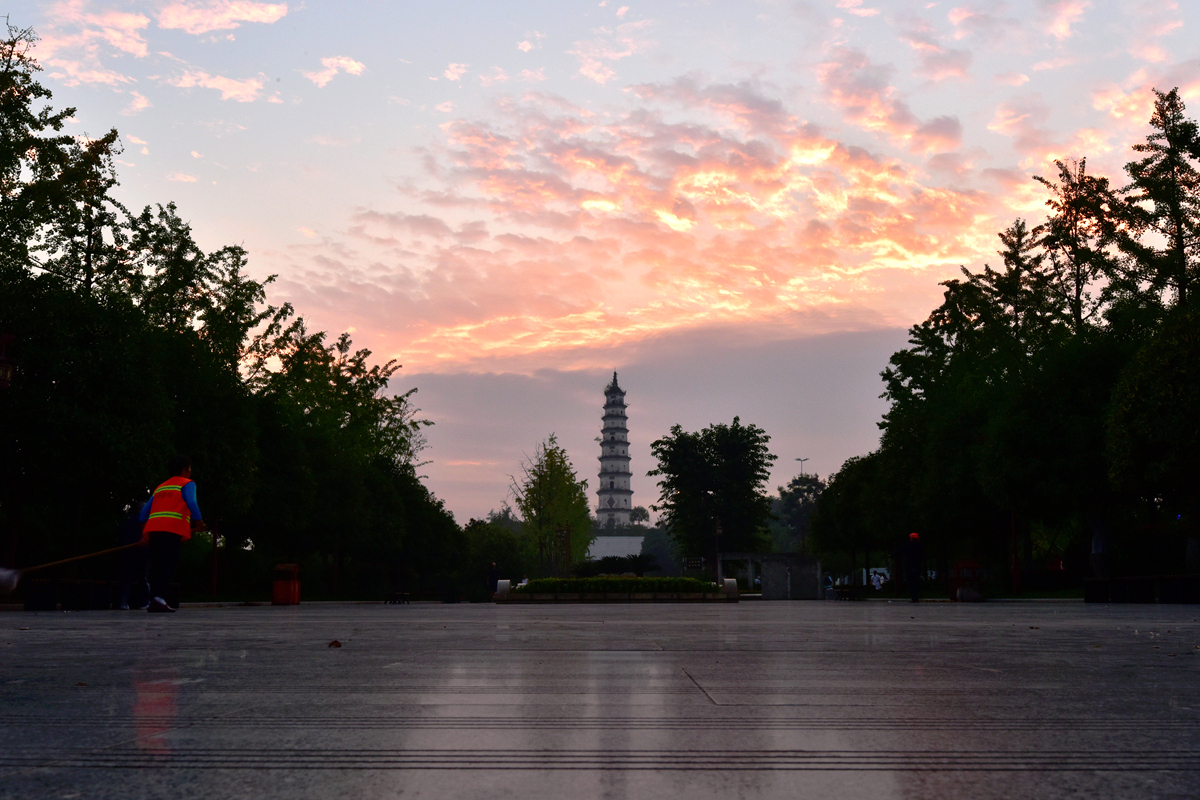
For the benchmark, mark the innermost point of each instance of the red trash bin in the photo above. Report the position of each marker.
(285, 590)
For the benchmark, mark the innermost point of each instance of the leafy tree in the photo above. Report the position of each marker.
(794, 510)
(85, 240)
(1154, 429)
(133, 345)
(1164, 199)
(32, 152)
(1079, 239)
(711, 486)
(487, 543)
(639, 515)
(554, 508)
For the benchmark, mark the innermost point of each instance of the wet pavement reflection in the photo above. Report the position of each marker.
(613, 701)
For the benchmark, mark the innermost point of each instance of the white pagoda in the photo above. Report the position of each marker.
(616, 498)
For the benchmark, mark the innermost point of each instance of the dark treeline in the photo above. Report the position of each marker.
(1045, 420)
(132, 344)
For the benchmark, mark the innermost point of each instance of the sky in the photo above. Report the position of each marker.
(739, 207)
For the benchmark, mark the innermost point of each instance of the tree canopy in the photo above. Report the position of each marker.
(1050, 401)
(712, 486)
(132, 344)
(554, 508)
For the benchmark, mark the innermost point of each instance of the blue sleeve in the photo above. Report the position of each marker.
(189, 497)
(145, 515)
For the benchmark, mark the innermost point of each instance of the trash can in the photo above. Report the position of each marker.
(285, 591)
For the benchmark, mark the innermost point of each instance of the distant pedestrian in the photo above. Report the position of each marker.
(169, 517)
(914, 565)
(877, 581)
(493, 578)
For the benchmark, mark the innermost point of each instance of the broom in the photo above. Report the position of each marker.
(9, 578)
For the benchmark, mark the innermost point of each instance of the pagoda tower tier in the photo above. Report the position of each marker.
(614, 491)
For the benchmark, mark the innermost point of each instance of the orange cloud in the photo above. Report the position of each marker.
(550, 229)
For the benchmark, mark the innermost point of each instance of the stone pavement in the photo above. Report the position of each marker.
(799, 699)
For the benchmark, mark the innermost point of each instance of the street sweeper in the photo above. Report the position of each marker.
(169, 517)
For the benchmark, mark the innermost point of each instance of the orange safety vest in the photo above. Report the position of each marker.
(168, 511)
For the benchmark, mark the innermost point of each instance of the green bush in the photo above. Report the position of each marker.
(606, 585)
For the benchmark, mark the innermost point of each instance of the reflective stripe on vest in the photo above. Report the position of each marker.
(168, 511)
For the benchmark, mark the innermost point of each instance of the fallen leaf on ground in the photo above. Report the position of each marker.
(81, 683)
(335, 643)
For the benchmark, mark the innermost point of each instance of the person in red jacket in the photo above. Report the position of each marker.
(169, 517)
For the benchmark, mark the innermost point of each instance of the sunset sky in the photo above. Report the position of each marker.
(738, 206)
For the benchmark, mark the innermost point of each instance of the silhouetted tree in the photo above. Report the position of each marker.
(711, 484)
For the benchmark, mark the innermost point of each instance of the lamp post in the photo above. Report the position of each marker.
(802, 460)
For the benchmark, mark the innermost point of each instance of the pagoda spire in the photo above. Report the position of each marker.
(614, 492)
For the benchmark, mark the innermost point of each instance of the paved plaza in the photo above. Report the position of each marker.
(755, 699)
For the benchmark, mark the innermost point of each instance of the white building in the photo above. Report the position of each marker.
(616, 496)
(605, 546)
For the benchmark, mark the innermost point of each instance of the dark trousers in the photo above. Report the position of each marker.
(164, 556)
(134, 587)
(913, 579)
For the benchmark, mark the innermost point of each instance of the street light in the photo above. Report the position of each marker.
(802, 460)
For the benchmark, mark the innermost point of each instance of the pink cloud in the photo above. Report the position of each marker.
(1130, 103)
(855, 7)
(742, 103)
(243, 91)
(1012, 78)
(197, 18)
(533, 224)
(73, 41)
(982, 21)
(1026, 122)
(137, 103)
(332, 66)
(497, 75)
(862, 89)
(1152, 23)
(532, 40)
(610, 46)
(73, 72)
(1060, 15)
(937, 61)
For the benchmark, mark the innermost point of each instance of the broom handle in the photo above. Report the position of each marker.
(80, 558)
